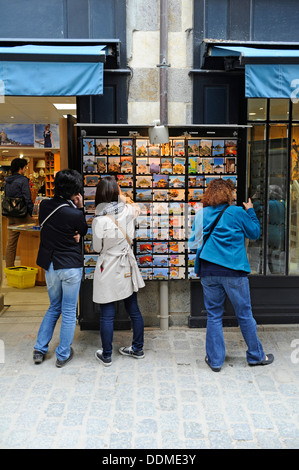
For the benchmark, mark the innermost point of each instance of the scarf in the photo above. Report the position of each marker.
(110, 208)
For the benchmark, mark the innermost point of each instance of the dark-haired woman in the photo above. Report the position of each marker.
(223, 266)
(63, 223)
(116, 276)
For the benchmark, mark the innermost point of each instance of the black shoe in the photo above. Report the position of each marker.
(268, 360)
(214, 369)
(105, 361)
(129, 351)
(60, 363)
(38, 357)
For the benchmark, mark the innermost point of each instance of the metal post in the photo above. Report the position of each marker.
(163, 62)
(164, 314)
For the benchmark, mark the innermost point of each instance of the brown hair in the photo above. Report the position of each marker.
(107, 190)
(218, 191)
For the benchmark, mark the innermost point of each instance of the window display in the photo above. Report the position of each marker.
(168, 182)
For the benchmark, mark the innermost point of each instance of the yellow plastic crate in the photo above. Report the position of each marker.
(21, 277)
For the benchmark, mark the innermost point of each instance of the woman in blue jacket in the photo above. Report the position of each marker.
(223, 267)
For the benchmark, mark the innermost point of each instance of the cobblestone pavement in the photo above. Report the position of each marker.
(168, 400)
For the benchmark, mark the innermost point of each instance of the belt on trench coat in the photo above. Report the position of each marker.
(126, 256)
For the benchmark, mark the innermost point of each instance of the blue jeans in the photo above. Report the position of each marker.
(106, 324)
(63, 287)
(215, 289)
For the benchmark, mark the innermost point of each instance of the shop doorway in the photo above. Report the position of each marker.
(22, 124)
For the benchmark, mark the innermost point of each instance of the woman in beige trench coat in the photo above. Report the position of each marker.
(117, 276)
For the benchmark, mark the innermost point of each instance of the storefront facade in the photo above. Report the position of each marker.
(206, 101)
(221, 84)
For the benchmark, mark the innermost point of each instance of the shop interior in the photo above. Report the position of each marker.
(33, 113)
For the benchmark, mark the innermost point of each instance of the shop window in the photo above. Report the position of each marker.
(294, 204)
(279, 109)
(257, 179)
(277, 198)
(257, 109)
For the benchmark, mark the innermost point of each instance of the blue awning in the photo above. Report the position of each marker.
(269, 73)
(51, 70)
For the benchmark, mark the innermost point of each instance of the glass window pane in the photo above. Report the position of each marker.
(256, 191)
(257, 109)
(279, 109)
(277, 179)
(294, 204)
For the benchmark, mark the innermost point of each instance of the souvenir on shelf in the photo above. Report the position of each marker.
(167, 182)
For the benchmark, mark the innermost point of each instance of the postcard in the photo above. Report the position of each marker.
(218, 147)
(144, 247)
(89, 193)
(176, 208)
(160, 260)
(141, 147)
(126, 146)
(160, 221)
(205, 148)
(193, 147)
(91, 180)
(143, 194)
(177, 260)
(207, 165)
(90, 260)
(89, 206)
(191, 274)
(160, 273)
(145, 208)
(161, 208)
(166, 165)
(160, 181)
(176, 181)
(154, 150)
(195, 194)
(232, 178)
(160, 195)
(191, 259)
(146, 273)
(89, 273)
(143, 181)
(101, 164)
(176, 247)
(177, 194)
(160, 234)
(113, 147)
(127, 192)
(160, 247)
(101, 147)
(218, 165)
(126, 164)
(89, 164)
(230, 165)
(179, 165)
(125, 180)
(142, 234)
(142, 166)
(114, 164)
(178, 147)
(88, 246)
(211, 178)
(154, 165)
(145, 260)
(194, 163)
(230, 147)
(166, 149)
(88, 235)
(88, 147)
(177, 220)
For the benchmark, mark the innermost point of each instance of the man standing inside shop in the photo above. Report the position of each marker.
(17, 186)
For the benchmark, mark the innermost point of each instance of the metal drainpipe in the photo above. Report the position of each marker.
(163, 66)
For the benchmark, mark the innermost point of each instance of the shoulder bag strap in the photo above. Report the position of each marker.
(214, 225)
(120, 228)
(59, 207)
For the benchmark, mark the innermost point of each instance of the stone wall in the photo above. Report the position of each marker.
(143, 42)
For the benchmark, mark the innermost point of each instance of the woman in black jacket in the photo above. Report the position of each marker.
(17, 185)
(62, 222)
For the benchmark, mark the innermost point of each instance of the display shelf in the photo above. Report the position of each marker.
(168, 182)
(52, 165)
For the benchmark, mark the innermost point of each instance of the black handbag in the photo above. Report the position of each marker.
(14, 207)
